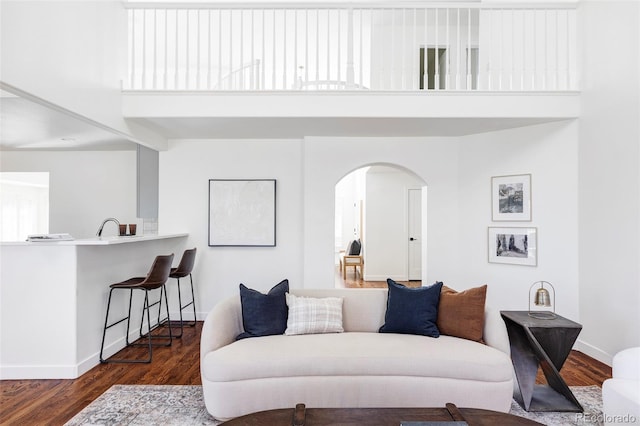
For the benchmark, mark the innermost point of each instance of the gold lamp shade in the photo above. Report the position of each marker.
(542, 298)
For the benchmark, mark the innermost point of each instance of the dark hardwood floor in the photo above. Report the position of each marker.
(54, 402)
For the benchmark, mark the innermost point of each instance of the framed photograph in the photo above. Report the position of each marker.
(513, 246)
(511, 198)
(242, 212)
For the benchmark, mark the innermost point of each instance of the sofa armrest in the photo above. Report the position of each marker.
(495, 331)
(626, 364)
(221, 326)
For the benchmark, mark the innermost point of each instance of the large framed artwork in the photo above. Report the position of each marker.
(242, 212)
(513, 245)
(511, 198)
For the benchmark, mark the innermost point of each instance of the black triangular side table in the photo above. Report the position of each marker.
(546, 343)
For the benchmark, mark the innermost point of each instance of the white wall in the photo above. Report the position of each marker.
(609, 162)
(72, 54)
(386, 245)
(185, 170)
(85, 187)
(549, 153)
(434, 160)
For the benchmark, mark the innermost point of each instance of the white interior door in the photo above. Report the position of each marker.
(415, 234)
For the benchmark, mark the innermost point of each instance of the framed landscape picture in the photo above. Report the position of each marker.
(513, 246)
(242, 212)
(511, 198)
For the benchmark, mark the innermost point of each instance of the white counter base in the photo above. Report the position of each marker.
(53, 300)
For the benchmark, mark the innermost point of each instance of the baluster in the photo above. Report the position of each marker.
(557, 47)
(339, 60)
(306, 45)
(251, 69)
(209, 47)
(219, 49)
(188, 57)
(545, 47)
(144, 50)
(414, 68)
(263, 62)
(403, 62)
(230, 73)
(350, 70)
(295, 50)
(436, 76)
(513, 50)
(568, 78)
(447, 64)
(284, 50)
(132, 44)
(500, 50)
(198, 54)
(425, 56)
(459, 51)
(328, 49)
(469, 84)
(317, 46)
(392, 62)
(361, 81)
(175, 76)
(273, 48)
(241, 61)
(166, 48)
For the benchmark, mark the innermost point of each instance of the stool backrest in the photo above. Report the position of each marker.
(186, 263)
(159, 272)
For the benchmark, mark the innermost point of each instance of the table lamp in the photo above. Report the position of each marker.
(542, 298)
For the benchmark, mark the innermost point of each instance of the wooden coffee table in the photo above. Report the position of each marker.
(301, 416)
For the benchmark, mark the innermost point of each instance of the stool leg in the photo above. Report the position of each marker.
(158, 324)
(193, 302)
(180, 306)
(104, 330)
(128, 318)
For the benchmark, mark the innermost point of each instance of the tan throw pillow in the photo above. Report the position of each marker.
(461, 314)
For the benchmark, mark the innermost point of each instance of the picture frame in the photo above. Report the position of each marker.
(511, 198)
(513, 245)
(242, 212)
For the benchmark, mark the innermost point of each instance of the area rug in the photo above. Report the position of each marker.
(137, 405)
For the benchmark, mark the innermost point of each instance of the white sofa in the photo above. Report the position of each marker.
(621, 393)
(357, 368)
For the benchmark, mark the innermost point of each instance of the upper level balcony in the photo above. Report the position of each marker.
(382, 59)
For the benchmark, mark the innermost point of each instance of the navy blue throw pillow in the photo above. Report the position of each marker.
(264, 314)
(412, 310)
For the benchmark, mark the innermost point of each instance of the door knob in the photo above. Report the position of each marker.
(412, 239)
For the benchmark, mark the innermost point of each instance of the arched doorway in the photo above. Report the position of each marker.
(382, 206)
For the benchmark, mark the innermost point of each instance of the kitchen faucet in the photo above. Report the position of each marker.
(109, 219)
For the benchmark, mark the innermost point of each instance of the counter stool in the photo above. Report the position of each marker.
(155, 279)
(184, 269)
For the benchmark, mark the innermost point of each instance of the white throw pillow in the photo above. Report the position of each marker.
(309, 315)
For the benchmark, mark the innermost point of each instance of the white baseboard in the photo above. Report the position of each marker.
(593, 352)
(20, 372)
(383, 278)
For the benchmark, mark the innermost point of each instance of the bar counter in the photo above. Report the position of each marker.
(53, 299)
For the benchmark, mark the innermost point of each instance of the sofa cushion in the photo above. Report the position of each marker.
(461, 314)
(264, 314)
(309, 315)
(356, 354)
(412, 310)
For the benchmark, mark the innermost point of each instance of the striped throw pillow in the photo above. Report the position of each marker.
(309, 315)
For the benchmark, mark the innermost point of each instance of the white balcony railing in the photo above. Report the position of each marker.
(382, 47)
